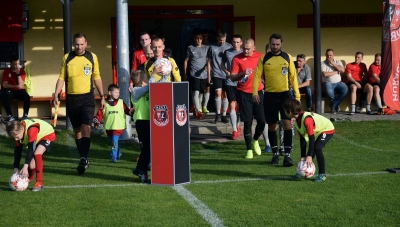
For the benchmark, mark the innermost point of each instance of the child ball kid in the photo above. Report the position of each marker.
(114, 119)
(314, 130)
(38, 135)
(140, 99)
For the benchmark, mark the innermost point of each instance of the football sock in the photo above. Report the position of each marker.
(378, 102)
(232, 115)
(85, 146)
(368, 107)
(31, 172)
(218, 105)
(39, 167)
(353, 108)
(195, 95)
(78, 145)
(247, 134)
(225, 105)
(259, 129)
(206, 98)
(287, 140)
(265, 135)
(201, 99)
(273, 140)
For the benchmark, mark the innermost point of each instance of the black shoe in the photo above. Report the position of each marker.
(287, 161)
(224, 119)
(217, 118)
(369, 112)
(82, 166)
(141, 174)
(275, 159)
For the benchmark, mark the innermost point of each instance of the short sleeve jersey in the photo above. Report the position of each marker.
(373, 69)
(197, 61)
(215, 53)
(239, 64)
(80, 72)
(227, 58)
(175, 70)
(138, 59)
(356, 70)
(278, 71)
(304, 74)
(12, 78)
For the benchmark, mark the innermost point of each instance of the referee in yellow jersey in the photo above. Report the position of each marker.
(279, 75)
(79, 69)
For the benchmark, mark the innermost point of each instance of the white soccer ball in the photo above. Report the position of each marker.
(165, 65)
(305, 170)
(18, 182)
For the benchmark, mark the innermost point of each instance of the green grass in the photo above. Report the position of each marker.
(358, 191)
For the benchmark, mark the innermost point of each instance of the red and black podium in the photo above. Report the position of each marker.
(170, 135)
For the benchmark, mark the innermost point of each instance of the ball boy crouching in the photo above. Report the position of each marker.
(314, 130)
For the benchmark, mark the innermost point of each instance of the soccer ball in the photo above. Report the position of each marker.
(165, 65)
(304, 170)
(18, 182)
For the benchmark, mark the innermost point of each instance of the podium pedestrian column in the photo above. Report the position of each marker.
(170, 135)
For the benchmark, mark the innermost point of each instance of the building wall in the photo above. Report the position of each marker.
(44, 39)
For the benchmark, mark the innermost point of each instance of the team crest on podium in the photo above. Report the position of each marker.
(160, 115)
(181, 115)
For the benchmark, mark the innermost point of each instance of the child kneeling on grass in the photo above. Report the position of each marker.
(38, 135)
(114, 114)
(314, 130)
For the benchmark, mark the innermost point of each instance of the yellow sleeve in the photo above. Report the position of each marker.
(96, 68)
(63, 70)
(175, 70)
(293, 79)
(257, 75)
(150, 71)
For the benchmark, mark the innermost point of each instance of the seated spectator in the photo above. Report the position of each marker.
(332, 81)
(303, 79)
(13, 85)
(372, 86)
(356, 73)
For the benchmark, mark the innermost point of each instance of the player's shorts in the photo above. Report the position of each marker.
(80, 109)
(46, 144)
(198, 84)
(273, 106)
(362, 83)
(374, 84)
(248, 109)
(218, 83)
(231, 93)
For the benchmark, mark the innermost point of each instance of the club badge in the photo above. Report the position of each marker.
(284, 71)
(160, 115)
(181, 115)
(87, 70)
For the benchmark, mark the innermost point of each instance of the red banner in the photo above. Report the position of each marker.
(10, 20)
(390, 66)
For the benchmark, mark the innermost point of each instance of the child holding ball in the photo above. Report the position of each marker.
(38, 135)
(314, 130)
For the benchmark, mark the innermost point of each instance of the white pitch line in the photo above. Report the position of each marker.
(210, 181)
(359, 145)
(200, 207)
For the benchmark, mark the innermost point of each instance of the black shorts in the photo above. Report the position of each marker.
(218, 83)
(231, 93)
(362, 83)
(80, 109)
(46, 144)
(198, 84)
(248, 109)
(273, 106)
(374, 84)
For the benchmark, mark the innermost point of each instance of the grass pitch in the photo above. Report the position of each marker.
(226, 189)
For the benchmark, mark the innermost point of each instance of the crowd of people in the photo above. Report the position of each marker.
(265, 87)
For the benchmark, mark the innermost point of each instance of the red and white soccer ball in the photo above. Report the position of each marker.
(18, 182)
(165, 65)
(305, 170)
